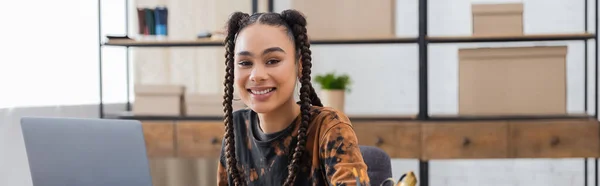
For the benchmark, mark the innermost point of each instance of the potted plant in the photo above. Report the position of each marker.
(333, 89)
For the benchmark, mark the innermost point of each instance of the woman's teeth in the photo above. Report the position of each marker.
(259, 92)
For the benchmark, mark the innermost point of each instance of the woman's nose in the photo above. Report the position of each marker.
(258, 74)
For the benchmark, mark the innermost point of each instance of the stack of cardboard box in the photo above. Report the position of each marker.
(510, 80)
(347, 19)
(172, 100)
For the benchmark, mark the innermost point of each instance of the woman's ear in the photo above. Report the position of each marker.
(300, 67)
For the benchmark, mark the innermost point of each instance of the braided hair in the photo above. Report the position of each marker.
(295, 24)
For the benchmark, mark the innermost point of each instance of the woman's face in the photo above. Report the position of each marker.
(265, 70)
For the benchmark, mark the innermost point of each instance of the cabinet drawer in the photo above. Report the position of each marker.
(408, 140)
(398, 139)
(378, 134)
(199, 138)
(554, 139)
(159, 137)
(477, 139)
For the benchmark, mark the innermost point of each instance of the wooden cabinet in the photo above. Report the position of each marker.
(409, 139)
(554, 139)
(159, 136)
(446, 140)
(398, 139)
(199, 138)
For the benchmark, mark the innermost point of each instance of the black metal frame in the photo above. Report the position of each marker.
(127, 64)
(509, 39)
(422, 40)
(423, 83)
(595, 77)
(101, 105)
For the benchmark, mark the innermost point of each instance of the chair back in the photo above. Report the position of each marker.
(378, 162)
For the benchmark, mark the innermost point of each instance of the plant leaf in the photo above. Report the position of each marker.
(331, 81)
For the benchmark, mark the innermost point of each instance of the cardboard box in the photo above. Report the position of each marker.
(497, 19)
(158, 100)
(513, 81)
(348, 19)
(208, 104)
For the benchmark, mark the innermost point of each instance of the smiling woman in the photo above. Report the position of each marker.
(276, 140)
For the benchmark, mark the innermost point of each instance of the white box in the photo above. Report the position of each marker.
(208, 104)
(158, 100)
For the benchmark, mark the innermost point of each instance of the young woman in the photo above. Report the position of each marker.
(276, 140)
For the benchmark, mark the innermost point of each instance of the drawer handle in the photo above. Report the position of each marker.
(555, 141)
(379, 141)
(214, 140)
(466, 141)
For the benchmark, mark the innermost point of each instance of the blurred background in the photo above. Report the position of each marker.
(442, 86)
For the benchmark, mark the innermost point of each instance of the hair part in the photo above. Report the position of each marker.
(295, 25)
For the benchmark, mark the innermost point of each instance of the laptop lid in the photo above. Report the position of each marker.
(85, 152)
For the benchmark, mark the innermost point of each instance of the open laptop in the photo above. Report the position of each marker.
(85, 152)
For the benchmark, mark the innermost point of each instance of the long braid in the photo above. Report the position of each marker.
(297, 24)
(233, 27)
(314, 98)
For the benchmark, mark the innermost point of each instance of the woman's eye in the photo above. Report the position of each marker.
(273, 61)
(244, 63)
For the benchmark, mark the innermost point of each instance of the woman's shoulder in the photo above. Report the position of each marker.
(327, 117)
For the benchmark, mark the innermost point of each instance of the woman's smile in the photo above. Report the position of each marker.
(261, 93)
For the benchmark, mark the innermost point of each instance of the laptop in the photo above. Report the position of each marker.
(85, 152)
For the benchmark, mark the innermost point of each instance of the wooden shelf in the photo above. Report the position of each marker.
(220, 118)
(511, 38)
(361, 118)
(506, 117)
(219, 42)
(382, 40)
(163, 43)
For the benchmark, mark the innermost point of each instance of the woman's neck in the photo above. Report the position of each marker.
(279, 118)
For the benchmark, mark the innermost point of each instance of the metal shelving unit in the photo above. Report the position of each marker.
(423, 40)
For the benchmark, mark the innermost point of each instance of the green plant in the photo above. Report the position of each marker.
(331, 81)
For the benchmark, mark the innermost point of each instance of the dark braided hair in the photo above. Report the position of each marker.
(295, 23)
(233, 25)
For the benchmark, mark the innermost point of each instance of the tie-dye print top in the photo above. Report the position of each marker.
(332, 151)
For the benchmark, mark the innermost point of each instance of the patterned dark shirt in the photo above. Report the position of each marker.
(332, 151)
